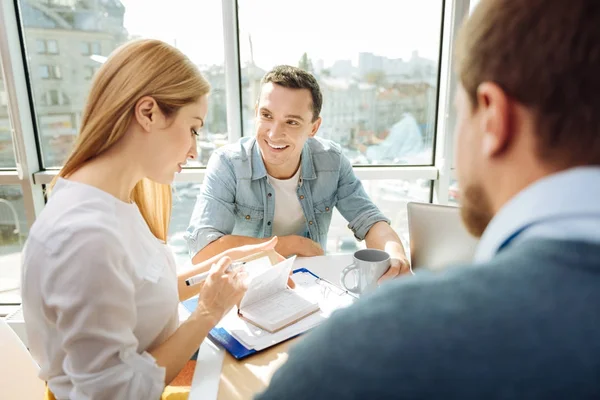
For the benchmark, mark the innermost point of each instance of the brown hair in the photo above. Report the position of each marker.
(136, 69)
(545, 54)
(296, 78)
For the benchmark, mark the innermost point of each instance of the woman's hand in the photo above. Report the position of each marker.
(221, 291)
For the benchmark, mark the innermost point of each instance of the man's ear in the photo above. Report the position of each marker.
(494, 108)
(146, 112)
(315, 127)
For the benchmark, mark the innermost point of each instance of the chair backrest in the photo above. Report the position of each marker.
(18, 371)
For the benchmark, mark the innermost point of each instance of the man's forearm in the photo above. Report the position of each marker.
(228, 242)
(222, 244)
(381, 236)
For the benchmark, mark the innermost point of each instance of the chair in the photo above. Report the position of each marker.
(18, 371)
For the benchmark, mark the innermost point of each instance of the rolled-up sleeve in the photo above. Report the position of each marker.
(90, 293)
(214, 212)
(354, 204)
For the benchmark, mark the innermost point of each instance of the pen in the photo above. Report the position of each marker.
(196, 279)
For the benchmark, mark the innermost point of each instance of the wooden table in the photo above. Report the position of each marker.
(244, 378)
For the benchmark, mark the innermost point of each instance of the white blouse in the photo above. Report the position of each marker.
(98, 291)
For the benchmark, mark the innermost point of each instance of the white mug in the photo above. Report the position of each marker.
(369, 265)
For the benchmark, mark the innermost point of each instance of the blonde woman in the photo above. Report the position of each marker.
(100, 290)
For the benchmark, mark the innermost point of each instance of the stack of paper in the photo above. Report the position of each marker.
(308, 286)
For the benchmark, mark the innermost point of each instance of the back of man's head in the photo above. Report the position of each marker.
(545, 55)
(296, 78)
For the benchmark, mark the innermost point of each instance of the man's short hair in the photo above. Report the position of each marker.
(545, 54)
(296, 78)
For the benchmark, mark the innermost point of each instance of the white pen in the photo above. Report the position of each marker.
(196, 279)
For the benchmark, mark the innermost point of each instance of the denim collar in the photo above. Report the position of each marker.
(258, 166)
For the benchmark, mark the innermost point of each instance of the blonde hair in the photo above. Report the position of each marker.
(136, 69)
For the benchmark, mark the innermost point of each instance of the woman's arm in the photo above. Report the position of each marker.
(220, 292)
(185, 292)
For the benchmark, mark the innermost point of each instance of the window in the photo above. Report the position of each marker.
(98, 30)
(46, 46)
(391, 196)
(44, 71)
(40, 46)
(89, 72)
(13, 232)
(52, 47)
(54, 98)
(7, 156)
(50, 72)
(85, 49)
(90, 48)
(377, 65)
(96, 48)
(378, 70)
(184, 200)
(453, 193)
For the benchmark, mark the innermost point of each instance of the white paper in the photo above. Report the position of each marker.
(329, 297)
(268, 282)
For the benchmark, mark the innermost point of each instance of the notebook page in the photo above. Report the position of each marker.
(268, 282)
(281, 306)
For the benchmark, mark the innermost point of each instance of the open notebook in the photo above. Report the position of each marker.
(269, 303)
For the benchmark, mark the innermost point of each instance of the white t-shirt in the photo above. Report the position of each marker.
(289, 218)
(98, 291)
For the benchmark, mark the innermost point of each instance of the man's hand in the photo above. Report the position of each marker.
(399, 266)
(299, 246)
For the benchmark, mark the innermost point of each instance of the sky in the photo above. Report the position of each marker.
(281, 30)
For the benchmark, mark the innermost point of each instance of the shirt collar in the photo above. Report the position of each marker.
(574, 192)
(258, 166)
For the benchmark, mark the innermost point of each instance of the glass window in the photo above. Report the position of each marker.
(52, 46)
(184, 200)
(96, 48)
(453, 193)
(13, 232)
(89, 72)
(377, 68)
(86, 31)
(44, 71)
(40, 46)
(7, 155)
(85, 49)
(391, 196)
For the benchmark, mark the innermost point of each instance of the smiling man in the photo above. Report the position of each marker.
(285, 182)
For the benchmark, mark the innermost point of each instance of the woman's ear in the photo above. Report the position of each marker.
(145, 112)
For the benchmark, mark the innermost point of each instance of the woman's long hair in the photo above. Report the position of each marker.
(136, 69)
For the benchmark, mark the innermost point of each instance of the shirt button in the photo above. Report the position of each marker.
(269, 195)
(247, 217)
(269, 223)
(301, 197)
(310, 222)
(326, 208)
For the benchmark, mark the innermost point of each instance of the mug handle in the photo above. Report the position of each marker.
(345, 272)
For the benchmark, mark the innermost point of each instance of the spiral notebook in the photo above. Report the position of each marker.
(241, 338)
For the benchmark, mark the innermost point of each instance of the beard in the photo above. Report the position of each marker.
(476, 210)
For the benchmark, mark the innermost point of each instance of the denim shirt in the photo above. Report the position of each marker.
(237, 199)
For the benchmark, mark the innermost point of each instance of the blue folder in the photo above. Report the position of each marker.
(221, 336)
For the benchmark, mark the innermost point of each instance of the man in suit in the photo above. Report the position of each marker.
(523, 320)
